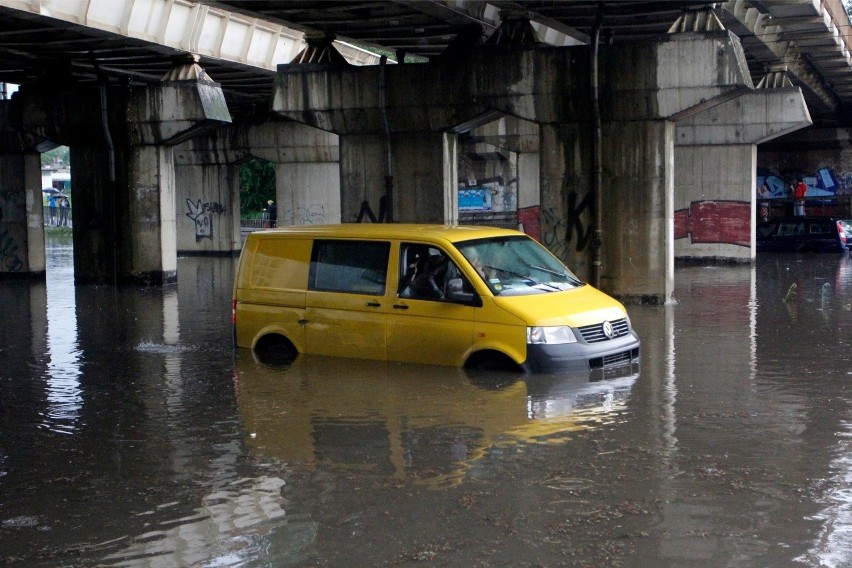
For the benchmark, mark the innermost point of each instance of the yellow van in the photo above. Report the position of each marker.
(477, 297)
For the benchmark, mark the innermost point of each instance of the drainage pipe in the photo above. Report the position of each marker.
(111, 190)
(388, 155)
(597, 159)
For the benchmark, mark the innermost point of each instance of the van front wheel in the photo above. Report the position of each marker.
(491, 361)
(275, 350)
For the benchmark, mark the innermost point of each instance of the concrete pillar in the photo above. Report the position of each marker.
(21, 215)
(124, 228)
(715, 171)
(307, 170)
(308, 193)
(714, 202)
(151, 183)
(424, 178)
(208, 208)
(637, 211)
(363, 175)
(98, 213)
(567, 202)
(123, 167)
(529, 198)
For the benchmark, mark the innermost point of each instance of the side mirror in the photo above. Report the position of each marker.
(456, 293)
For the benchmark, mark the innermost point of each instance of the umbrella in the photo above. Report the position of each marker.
(51, 191)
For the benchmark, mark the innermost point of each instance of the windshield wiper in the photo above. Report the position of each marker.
(552, 272)
(512, 273)
(548, 270)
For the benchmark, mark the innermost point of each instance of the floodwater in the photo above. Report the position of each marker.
(130, 435)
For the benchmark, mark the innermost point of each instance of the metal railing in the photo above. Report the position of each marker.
(57, 216)
(839, 206)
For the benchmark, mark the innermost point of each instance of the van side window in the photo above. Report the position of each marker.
(359, 267)
(426, 272)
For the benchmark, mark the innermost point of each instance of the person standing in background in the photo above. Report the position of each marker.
(799, 192)
(271, 213)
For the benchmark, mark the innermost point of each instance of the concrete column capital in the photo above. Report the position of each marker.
(753, 117)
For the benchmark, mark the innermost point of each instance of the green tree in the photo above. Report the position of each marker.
(60, 154)
(257, 186)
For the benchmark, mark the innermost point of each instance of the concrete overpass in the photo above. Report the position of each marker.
(622, 135)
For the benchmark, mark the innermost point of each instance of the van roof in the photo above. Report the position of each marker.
(451, 233)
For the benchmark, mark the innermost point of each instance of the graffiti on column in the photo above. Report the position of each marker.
(202, 215)
(824, 182)
(492, 194)
(9, 259)
(367, 211)
(528, 218)
(553, 232)
(12, 208)
(575, 219)
(714, 222)
(311, 215)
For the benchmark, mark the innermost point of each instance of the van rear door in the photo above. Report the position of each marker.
(346, 297)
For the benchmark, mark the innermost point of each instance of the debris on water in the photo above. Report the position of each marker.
(20, 522)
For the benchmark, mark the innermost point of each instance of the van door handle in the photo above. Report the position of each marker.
(400, 307)
(373, 305)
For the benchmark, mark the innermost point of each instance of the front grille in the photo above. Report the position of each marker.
(615, 360)
(595, 333)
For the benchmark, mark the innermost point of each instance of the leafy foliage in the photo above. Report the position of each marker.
(257, 186)
(60, 154)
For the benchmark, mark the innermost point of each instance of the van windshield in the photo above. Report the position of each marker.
(516, 266)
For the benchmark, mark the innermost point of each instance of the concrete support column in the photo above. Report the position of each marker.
(638, 189)
(123, 166)
(124, 228)
(363, 175)
(307, 170)
(715, 168)
(208, 208)
(152, 214)
(308, 193)
(567, 203)
(529, 199)
(425, 178)
(424, 171)
(714, 202)
(21, 216)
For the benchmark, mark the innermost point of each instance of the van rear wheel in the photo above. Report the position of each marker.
(275, 350)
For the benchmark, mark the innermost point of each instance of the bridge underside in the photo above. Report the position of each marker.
(663, 165)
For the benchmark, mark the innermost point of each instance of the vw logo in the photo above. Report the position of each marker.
(608, 331)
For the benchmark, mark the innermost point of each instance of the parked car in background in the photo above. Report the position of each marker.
(847, 226)
(804, 234)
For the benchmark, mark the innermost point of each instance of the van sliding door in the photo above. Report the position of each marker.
(344, 314)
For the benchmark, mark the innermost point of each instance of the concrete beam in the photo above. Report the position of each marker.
(774, 35)
(752, 118)
(650, 80)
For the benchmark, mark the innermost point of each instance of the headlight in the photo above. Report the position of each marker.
(550, 335)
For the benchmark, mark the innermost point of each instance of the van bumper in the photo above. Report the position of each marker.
(582, 356)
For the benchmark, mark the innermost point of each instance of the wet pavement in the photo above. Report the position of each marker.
(130, 435)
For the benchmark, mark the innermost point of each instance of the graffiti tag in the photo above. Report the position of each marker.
(202, 215)
(367, 211)
(310, 215)
(9, 259)
(575, 220)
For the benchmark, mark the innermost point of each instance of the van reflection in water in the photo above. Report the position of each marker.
(420, 423)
